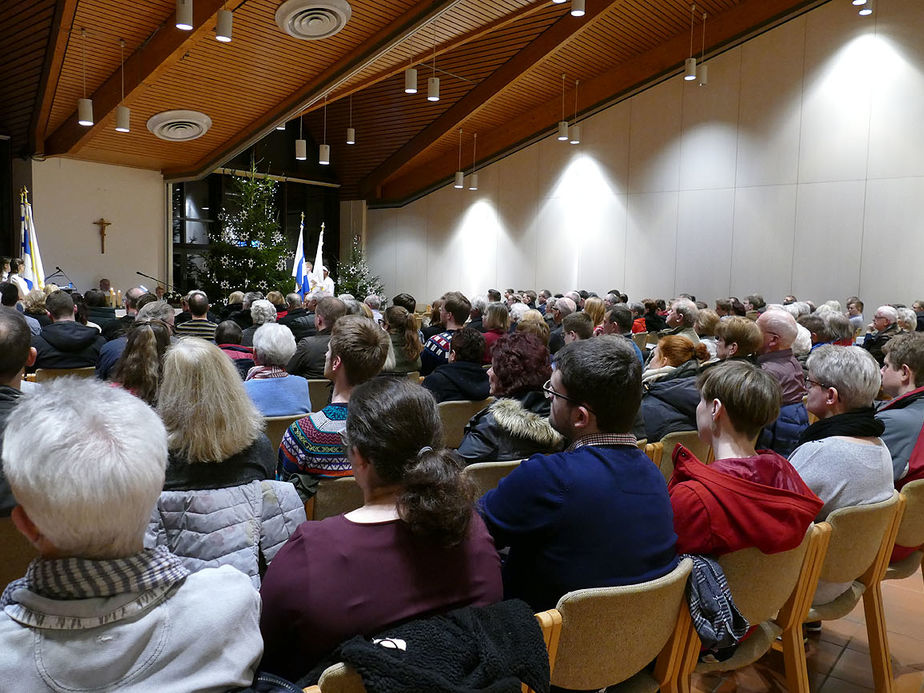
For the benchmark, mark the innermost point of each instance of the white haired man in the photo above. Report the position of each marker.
(885, 326)
(780, 330)
(375, 305)
(563, 308)
(97, 611)
(682, 318)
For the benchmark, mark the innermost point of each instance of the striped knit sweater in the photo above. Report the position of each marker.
(312, 445)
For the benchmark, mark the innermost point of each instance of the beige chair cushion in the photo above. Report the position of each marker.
(336, 496)
(276, 427)
(905, 568)
(839, 607)
(749, 651)
(911, 530)
(455, 416)
(856, 535)
(487, 475)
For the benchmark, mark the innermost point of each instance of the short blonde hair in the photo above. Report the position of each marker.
(203, 403)
(34, 301)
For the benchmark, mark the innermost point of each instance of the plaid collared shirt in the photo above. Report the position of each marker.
(83, 578)
(603, 439)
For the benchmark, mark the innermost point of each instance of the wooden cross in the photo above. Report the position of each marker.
(102, 223)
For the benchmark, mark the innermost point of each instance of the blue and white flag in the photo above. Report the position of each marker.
(33, 272)
(302, 278)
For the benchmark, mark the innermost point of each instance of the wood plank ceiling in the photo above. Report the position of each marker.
(499, 61)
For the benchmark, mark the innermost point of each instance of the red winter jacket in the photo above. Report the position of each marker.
(735, 504)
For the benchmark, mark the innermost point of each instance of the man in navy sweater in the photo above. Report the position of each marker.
(597, 514)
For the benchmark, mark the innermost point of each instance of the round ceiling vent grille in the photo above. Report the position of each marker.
(179, 126)
(313, 19)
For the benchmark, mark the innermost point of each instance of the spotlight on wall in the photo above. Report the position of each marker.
(184, 15)
(223, 28)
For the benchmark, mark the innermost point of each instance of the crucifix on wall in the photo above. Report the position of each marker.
(102, 223)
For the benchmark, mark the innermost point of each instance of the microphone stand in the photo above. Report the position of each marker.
(167, 286)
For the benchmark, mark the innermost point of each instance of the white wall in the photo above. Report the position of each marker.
(69, 195)
(798, 169)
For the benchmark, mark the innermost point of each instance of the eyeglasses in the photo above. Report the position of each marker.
(550, 393)
(809, 382)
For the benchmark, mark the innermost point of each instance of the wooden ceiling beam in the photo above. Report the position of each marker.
(166, 47)
(313, 91)
(563, 30)
(447, 47)
(51, 71)
(726, 29)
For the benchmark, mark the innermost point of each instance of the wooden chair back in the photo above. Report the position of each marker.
(276, 427)
(335, 496)
(655, 452)
(640, 339)
(911, 529)
(319, 391)
(487, 475)
(455, 416)
(43, 374)
(690, 440)
(413, 376)
(609, 634)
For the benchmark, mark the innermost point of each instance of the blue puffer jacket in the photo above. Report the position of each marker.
(782, 436)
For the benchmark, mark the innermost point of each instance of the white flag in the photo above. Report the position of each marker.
(33, 272)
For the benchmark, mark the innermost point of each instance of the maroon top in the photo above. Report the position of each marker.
(335, 578)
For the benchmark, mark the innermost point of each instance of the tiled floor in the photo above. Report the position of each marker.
(838, 657)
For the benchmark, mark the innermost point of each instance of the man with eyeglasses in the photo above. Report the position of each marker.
(597, 514)
(885, 326)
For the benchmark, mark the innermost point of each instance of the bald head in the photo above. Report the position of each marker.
(779, 329)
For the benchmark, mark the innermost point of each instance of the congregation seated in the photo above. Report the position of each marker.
(34, 307)
(414, 549)
(670, 395)
(9, 298)
(298, 318)
(745, 497)
(454, 311)
(559, 513)
(218, 477)
(903, 413)
(840, 456)
(463, 378)
(533, 322)
(198, 322)
(404, 353)
(563, 307)
(496, 323)
(261, 313)
(16, 353)
(681, 320)
(737, 338)
(595, 309)
(516, 425)
(308, 359)
(141, 367)
(65, 343)
(885, 326)
(618, 321)
(706, 323)
(97, 610)
(111, 351)
(272, 389)
(97, 310)
(311, 448)
(228, 338)
(779, 329)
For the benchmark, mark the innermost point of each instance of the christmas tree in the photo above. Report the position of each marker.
(248, 252)
(354, 276)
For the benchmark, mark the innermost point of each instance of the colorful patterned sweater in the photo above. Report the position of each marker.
(312, 446)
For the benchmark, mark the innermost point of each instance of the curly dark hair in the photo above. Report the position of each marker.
(520, 362)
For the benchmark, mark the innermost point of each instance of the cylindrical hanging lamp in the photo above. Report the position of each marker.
(410, 81)
(324, 154)
(223, 28)
(123, 119)
(563, 130)
(575, 134)
(301, 149)
(184, 15)
(867, 9)
(473, 181)
(577, 8)
(85, 112)
(689, 73)
(351, 136)
(433, 89)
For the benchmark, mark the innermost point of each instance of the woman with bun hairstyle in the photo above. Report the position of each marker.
(415, 548)
(669, 395)
(404, 354)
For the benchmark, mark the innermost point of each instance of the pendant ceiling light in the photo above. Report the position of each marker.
(563, 124)
(702, 70)
(410, 81)
(577, 8)
(575, 128)
(351, 132)
(123, 114)
(324, 149)
(84, 105)
(690, 66)
(184, 15)
(460, 175)
(433, 84)
(223, 28)
(301, 146)
(281, 126)
(473, 177)
(867, 8)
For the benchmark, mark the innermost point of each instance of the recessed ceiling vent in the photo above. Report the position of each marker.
(179, 126)
(311, 20)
